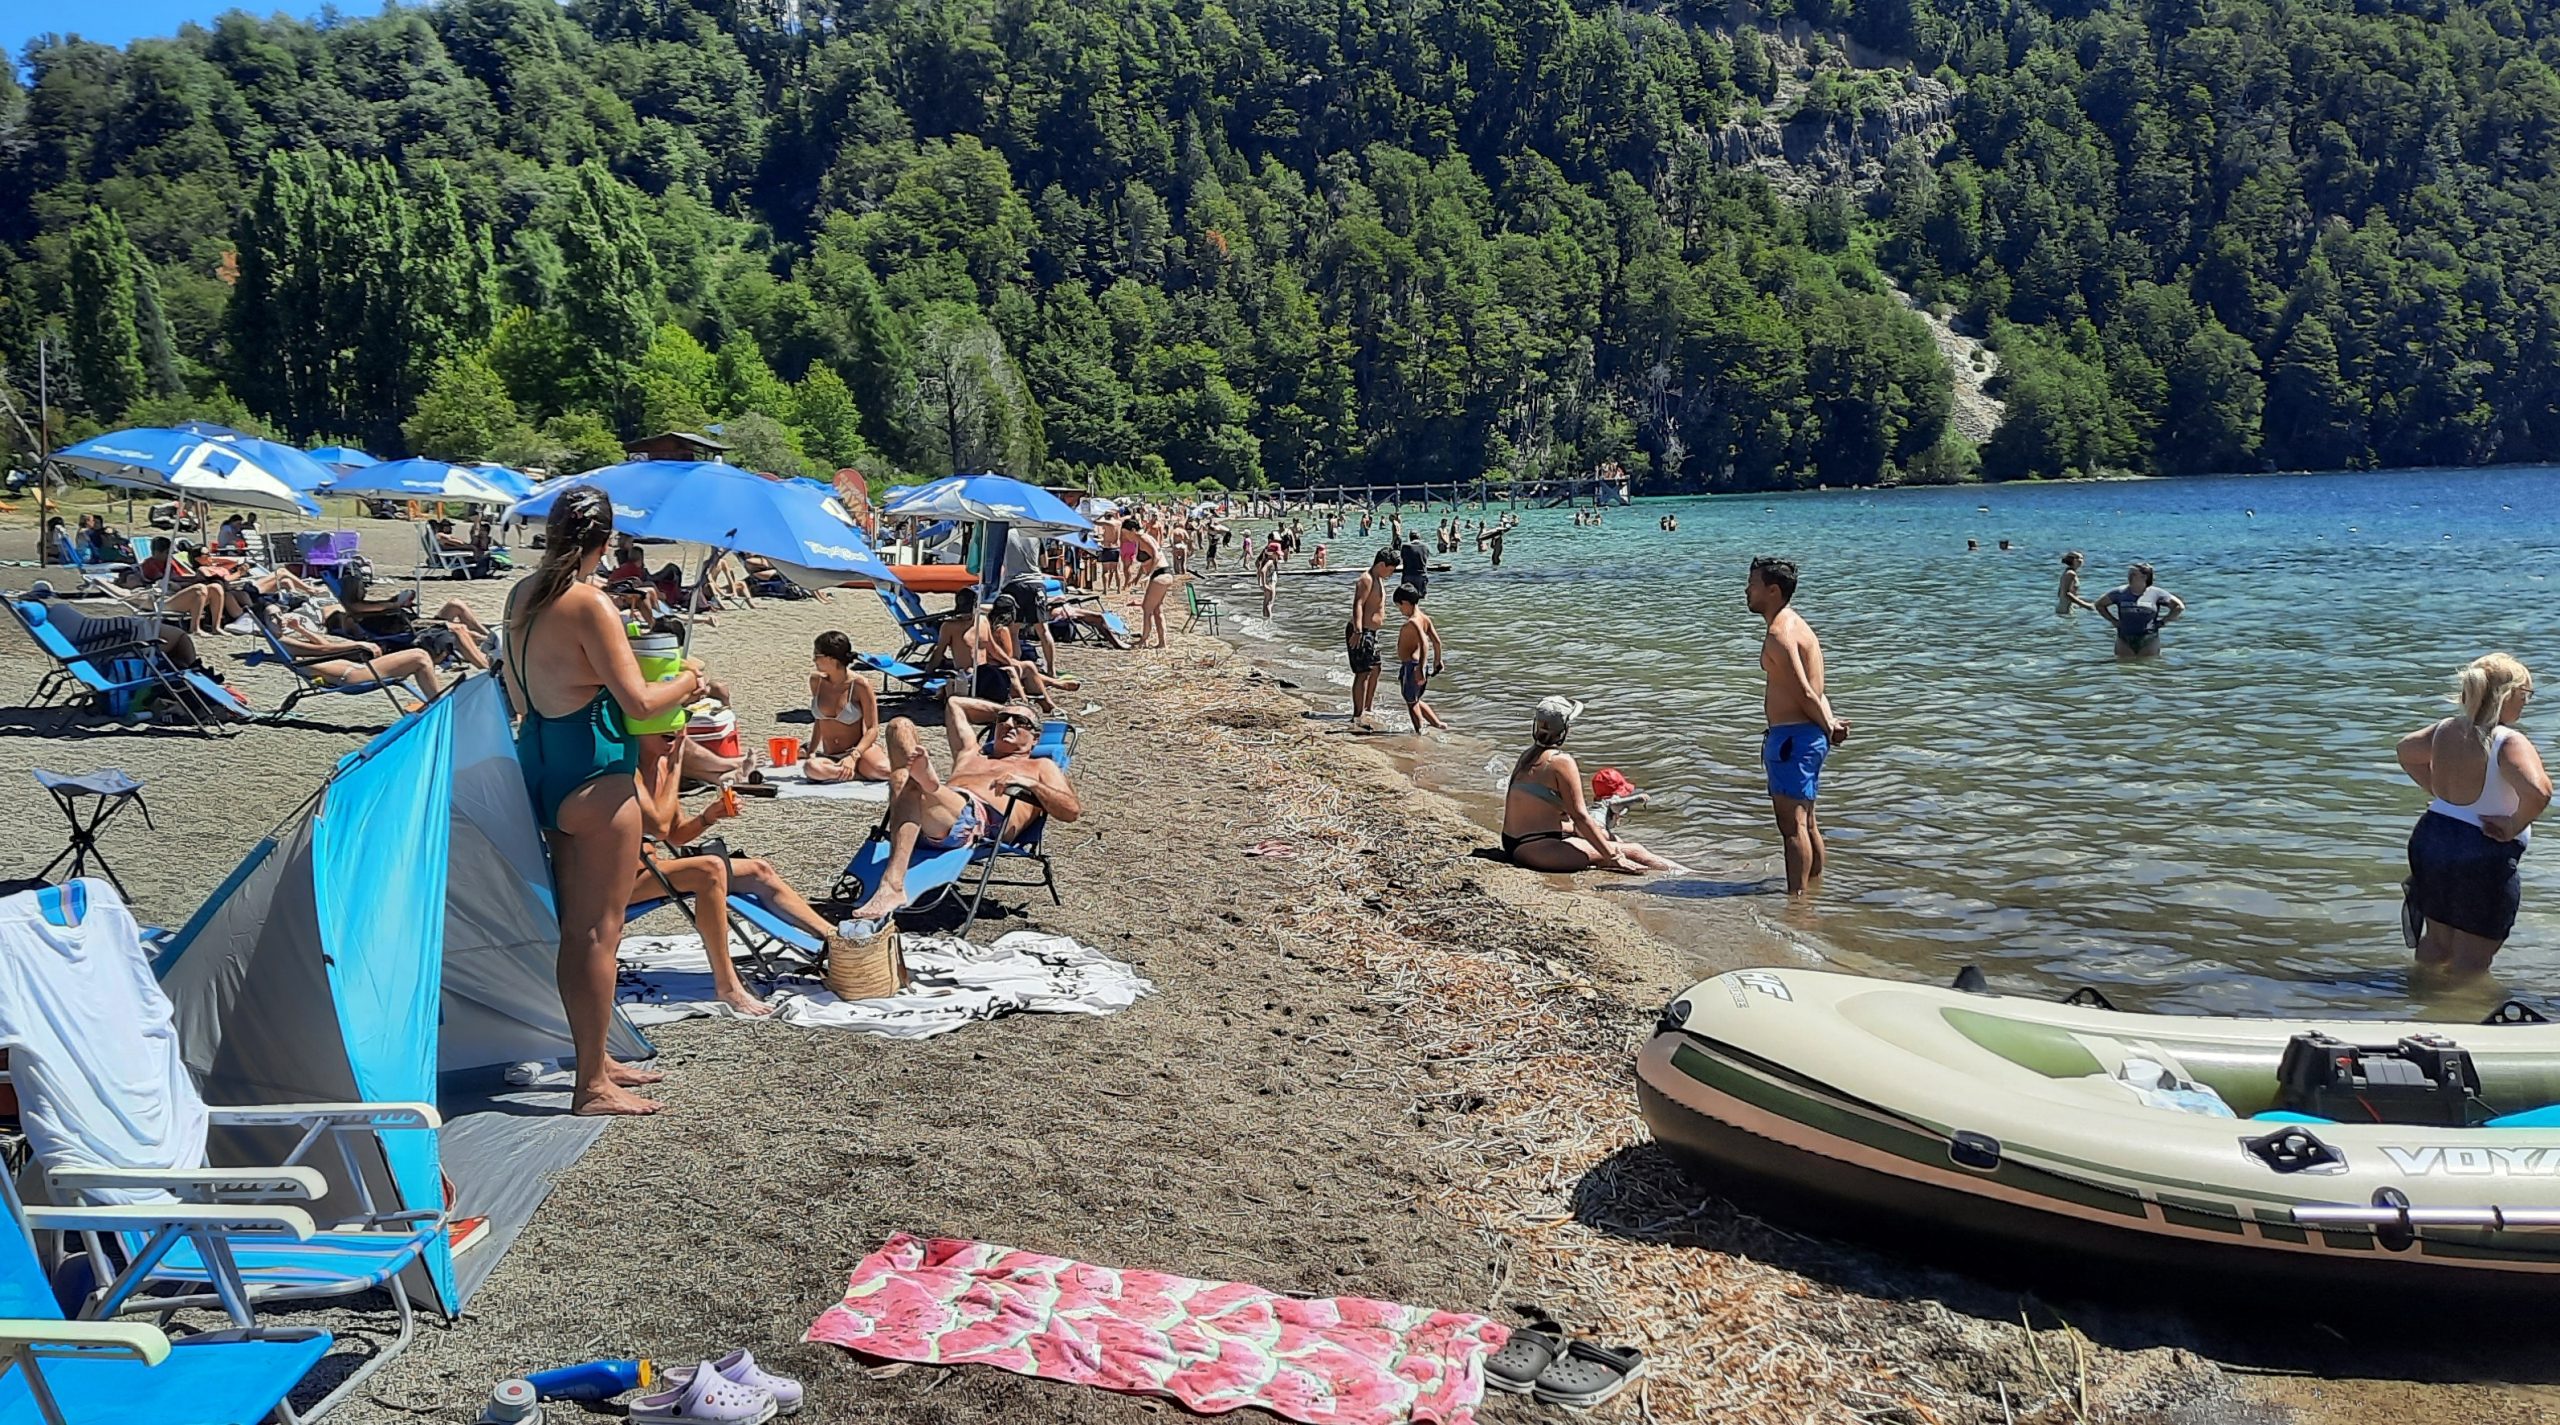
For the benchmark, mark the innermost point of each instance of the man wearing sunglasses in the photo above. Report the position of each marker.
(993, 793)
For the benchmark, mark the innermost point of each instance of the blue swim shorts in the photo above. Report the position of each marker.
(1793, 753)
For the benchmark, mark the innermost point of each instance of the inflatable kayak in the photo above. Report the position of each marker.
(2023, 1133)
(935, 578)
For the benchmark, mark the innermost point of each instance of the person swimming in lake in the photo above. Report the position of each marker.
(2488, 786)
(2139, 611)
(1547, 823)
(2066, 595)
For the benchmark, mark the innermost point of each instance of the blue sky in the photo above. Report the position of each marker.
(113, 22)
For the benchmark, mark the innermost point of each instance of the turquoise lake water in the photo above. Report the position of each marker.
(2219, 829)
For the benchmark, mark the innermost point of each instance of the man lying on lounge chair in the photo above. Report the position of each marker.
(972, 805)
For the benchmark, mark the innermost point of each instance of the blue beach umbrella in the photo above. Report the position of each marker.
(985, 498)
(435, 480)
(233, 470)
(343, 458)
(794, 523)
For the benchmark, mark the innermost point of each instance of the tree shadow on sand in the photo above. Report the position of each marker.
(1649, 1193)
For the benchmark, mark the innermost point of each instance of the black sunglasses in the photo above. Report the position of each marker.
(1015, 720)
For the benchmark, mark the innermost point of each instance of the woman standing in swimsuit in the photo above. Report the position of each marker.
(575, 682)
(1146, 566)
(2139, 611)
(2488, 785)
(1543, 808)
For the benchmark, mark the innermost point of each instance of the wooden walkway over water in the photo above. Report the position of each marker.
(1596, 490)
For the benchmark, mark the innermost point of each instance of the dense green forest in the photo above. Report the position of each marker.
(1306, 241)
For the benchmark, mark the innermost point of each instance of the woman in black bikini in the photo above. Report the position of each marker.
(1547, 825)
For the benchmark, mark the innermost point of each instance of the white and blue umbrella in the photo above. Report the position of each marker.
(435, 480)
(236, 471)
(795, 523)
(986, 498)
(343, 458)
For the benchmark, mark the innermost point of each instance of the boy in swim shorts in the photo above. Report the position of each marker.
(1419, 637)
(1802, 726)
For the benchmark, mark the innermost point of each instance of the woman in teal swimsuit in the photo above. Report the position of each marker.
(575, 680)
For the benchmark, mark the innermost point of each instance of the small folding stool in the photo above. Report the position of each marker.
(115, 790)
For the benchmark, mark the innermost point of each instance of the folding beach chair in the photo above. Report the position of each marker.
(434, 558)
(331, 557)
(968, 871)
(113, 682)
(312, 683)
(908, 612)
(929, 684)
(1201, 609)
(63, 1372)
(187, 1263)
(751, 923)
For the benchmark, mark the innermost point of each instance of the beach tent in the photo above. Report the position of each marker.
(394, 942)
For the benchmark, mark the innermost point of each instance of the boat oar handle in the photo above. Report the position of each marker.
(2493, 1219)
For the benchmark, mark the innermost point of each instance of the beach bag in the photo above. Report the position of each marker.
(867, 969)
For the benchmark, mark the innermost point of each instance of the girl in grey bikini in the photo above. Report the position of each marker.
(1547, 825)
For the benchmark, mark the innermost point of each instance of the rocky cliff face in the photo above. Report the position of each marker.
(1837, 109)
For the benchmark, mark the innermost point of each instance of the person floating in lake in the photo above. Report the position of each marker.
(1419, 658)
(2139, 611)
(1802, 728)
(2066, 595)
(2488, 786)
(1547, 823)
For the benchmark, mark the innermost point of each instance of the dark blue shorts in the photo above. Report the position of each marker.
(1792, 753)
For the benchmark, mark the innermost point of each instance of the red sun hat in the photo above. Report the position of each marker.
(1610, 782)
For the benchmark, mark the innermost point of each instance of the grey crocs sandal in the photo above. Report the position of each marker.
(1532, 1348)
(1587, 1375)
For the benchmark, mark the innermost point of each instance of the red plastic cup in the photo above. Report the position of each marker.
(785, 751)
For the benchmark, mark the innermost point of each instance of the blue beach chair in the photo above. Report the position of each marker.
(751, 923)
(919, 627)
(929, 684)
(113, 682)
(311, 683)
(61, 1372)
(932, 879)
(156, 1259)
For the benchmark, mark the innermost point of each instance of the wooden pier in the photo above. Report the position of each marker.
(1597, 490)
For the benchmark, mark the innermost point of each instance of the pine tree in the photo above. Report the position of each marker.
(609, 293)
(151, 321)
(106, 344)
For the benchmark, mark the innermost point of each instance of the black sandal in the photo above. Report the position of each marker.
(1587, 1375)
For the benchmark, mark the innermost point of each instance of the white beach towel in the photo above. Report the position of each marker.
(789, 785)
(668, 977)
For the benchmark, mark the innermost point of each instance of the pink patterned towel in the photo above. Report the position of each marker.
(1214, 1346)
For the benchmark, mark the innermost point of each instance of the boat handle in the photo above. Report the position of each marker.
(2515, 1011)
(2494, 1219)
(2089, 997)
(2293, 1148)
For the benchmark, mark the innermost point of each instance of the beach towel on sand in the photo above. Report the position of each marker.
(1213, 1346)
(667, 977)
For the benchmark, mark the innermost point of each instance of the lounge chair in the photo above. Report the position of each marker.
(908, 611)
(434, 558)
(159, 1267)
(934, 878)
(751, 923)
(111, 681)
(64, 1372)
(312, 683)
(914, 677)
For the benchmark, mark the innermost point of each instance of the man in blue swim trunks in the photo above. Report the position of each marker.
(1802, 727)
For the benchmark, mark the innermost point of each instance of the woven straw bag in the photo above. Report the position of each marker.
(866, 969)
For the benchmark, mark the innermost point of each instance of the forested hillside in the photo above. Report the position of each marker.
(1305, 241)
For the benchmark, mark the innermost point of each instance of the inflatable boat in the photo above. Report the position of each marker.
(2034, 1138)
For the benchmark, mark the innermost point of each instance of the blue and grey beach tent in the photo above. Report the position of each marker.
(394, 942)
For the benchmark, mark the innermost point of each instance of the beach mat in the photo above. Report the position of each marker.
(789, 785)
(503, 1148)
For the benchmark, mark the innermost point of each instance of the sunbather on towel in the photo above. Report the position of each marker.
(710, 874)
(975, 803)
(844, 737)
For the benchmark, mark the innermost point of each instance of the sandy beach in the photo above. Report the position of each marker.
(1376, 1065)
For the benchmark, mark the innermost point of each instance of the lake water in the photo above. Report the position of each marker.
(2219, 829)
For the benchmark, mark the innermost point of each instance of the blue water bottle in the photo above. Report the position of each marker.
(593, 1380)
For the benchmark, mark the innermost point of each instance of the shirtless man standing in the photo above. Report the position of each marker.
(1802, 727)
(1360, 635)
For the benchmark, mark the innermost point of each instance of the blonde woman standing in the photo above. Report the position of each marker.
(2488, 785)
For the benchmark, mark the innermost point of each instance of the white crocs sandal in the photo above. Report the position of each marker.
(740, 1366)
(706, 1397)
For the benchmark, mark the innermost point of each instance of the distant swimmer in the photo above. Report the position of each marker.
(2066, 597)
(2139, 611)
(1493, 544)
(1802, 728)
(2488, 785)
(1547, 823)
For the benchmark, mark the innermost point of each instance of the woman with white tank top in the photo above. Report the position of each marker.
(2487, 785)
